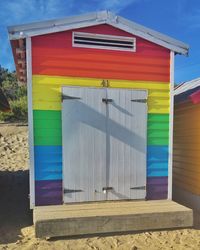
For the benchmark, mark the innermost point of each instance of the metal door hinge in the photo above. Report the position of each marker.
(67, 191)
(106, 100)
(139, 188)
(139, 100)
(67, 97)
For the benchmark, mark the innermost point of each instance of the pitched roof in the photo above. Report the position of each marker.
(95, 18)
(187, 86)
(18, 33)
(188, 91)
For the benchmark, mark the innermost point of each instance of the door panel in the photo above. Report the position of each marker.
(126, 144)
(84, 144)
(104, 144)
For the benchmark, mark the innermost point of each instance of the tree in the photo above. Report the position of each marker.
(16, 94)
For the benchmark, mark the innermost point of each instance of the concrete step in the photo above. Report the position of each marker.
(110, 217)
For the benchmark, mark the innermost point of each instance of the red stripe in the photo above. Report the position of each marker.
(53, 54)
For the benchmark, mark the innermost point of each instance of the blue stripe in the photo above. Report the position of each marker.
(48, 162)
(157, 161)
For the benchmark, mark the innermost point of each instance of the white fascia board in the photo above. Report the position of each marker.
(52, 26)
(52, 23)
(41, 31)
(153, 33)
(167, 43)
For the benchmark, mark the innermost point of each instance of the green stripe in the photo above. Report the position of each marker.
(48, 130)
(47, 127)
(162, 118)
(158, 129)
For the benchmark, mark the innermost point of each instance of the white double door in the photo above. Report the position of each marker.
(104, 143)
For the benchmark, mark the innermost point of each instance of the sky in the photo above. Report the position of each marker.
(179, 19)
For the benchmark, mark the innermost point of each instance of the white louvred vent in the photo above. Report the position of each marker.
(99, 41)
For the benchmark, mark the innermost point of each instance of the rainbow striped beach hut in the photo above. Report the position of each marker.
(100, 104)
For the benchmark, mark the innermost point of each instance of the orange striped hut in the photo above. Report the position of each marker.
(186, 159)
(100, 108)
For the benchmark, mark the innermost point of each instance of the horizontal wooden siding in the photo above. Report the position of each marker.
(186, 158)
(47, 129)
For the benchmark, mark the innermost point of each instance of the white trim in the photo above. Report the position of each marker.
(164, 42)
(54, 29)
(30, 122)
(171, 121)
(105, 37)
(91, 19)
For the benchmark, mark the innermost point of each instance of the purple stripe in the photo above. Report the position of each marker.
(48, 192)
(157, 188)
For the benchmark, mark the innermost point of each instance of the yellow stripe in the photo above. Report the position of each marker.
(47, 91)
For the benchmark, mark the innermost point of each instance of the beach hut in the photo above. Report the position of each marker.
(186, 165)
(100, 108)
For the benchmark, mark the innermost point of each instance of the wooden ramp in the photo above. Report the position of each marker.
(108, 217)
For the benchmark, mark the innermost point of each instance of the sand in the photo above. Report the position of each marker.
(16, 229)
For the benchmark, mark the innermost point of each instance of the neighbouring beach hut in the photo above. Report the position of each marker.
(100, 108)
(186, 163)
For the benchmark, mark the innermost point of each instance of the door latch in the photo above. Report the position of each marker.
(106, 100)
(139, 188)
(105, 189)
(67, 191)
(139, 100)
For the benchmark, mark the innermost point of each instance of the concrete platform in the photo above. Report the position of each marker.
(110, 217)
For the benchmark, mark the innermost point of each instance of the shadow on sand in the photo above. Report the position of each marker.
(14, 205)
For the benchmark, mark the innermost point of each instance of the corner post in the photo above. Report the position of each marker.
(171, 125)
(30, 122)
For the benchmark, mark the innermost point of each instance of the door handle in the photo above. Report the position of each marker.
(107, 188)
(139, 188)
(106, 100)
(67, 191)
(139, 100)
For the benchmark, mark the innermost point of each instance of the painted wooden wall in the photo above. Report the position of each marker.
(186, 158)
(55, 63)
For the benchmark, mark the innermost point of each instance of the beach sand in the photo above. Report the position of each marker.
(16, 229)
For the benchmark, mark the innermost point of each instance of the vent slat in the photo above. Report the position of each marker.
(100, 41)
(103, 40)
(104, 44)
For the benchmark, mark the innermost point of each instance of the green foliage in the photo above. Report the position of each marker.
(18, 111)
(16, 94)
